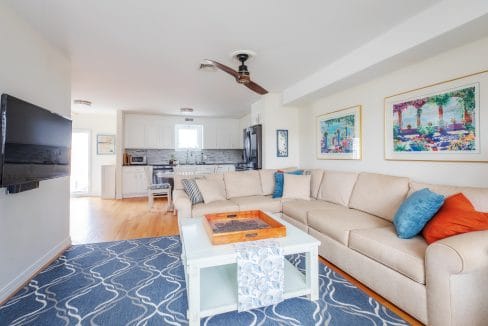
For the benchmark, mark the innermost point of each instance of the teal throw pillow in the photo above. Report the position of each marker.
(280, 180)
(415, 212)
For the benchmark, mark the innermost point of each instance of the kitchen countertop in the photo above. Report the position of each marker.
(207, 163)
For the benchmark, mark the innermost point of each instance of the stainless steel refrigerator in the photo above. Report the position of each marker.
(253, 148)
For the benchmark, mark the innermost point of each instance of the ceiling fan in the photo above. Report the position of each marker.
(242, 76)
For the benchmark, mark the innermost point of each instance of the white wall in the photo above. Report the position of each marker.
(245, 121)
(97, 124)
(270, 112)
(34, 225)
(457, 62)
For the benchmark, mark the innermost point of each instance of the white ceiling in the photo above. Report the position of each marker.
(144, 55)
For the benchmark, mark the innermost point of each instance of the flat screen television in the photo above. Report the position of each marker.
(35, 145)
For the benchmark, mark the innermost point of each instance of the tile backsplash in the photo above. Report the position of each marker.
(155, 156)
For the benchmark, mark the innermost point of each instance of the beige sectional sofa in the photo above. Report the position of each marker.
(445, 283)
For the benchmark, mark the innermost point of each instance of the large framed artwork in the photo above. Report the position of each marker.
(282, 143)
(441, 122)
(339, 134)
(105, 144)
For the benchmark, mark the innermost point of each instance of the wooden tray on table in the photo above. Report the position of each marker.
(242, 226)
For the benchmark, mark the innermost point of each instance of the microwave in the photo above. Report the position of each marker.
(137, 160)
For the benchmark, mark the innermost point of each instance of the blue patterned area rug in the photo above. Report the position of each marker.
(141, 282)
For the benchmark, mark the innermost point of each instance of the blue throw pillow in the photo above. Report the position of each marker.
(415, 212)
(279, 182)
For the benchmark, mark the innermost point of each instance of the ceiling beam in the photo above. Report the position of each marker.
(432, 23)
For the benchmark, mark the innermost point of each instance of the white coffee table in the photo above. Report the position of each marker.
(211, 270)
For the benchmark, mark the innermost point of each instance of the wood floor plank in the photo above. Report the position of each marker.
(100, 220)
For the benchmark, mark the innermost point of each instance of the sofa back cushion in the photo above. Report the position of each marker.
(242, 184)
(477, 196)
(267, 181)
(379, 194)
(336, 187)
(211, 189)
(315, 181)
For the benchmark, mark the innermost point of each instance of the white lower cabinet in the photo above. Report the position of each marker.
(134, 181)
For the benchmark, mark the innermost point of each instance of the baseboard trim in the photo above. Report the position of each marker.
(24, 277)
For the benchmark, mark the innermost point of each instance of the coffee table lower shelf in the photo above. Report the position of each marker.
(218, 287)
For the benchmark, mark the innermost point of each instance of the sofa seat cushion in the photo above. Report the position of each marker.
(264, 203)
(406, 256)
(298, 208)
(339, 221)
(219, 206)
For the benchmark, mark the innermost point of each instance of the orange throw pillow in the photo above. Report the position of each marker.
(456, 216)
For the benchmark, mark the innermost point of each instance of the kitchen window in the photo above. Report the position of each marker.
(188, 137)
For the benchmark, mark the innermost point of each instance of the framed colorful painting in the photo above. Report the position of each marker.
(282, 143)
(339, 134)
(440, 122)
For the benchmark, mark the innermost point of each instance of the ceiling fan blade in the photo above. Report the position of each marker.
(222, 67)
(255, 87)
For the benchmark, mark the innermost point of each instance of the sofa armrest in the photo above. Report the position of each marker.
(457, 280)
(182, 203)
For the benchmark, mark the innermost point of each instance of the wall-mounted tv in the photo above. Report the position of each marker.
(35, 145)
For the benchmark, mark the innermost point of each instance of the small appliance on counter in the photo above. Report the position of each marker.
(137, 160)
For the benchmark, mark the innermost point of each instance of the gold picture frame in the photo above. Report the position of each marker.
(438, 122)
(339, 134)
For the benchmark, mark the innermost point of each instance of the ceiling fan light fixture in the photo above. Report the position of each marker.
(244, 79)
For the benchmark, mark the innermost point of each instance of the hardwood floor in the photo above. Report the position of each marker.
(98, 220)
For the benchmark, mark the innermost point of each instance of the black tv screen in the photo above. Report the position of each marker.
(35, 144)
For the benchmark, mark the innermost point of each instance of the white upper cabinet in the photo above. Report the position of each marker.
(134, 135)
(158, 132)
(152, 135)
(209, 136)
(145, 132)
(168, 136)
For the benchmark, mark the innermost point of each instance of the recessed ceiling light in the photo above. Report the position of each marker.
(186, 110)
(82, 103)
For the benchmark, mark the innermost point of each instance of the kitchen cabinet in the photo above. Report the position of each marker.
(210, 136)
(228, 137)
(134, 134)
(134, 181)
(157, 132)
(145, 132)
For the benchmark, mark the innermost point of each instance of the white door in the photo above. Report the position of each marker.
(80, 162)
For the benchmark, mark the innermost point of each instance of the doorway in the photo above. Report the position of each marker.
(80, 163)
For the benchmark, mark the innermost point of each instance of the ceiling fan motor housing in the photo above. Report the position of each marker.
(244, 77)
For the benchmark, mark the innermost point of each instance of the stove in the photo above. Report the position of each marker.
(163, 173)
